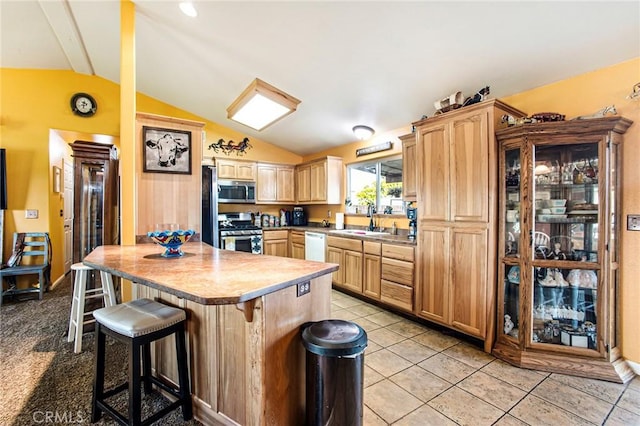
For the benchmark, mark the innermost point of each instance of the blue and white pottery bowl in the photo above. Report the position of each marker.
(171, 240)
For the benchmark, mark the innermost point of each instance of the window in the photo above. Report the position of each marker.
(378, 183)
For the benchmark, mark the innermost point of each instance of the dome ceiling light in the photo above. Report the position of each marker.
(363, 132)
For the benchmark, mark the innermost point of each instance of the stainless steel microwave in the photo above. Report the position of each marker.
(236, 192)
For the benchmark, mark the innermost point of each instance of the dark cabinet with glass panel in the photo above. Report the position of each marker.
(558, 255)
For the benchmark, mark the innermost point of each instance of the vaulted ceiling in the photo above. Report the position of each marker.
(378, 63)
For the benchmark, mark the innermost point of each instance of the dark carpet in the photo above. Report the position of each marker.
(42, 381)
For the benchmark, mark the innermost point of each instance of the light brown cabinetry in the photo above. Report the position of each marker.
(319, 181)
(558, 248)
(347, 253)
(372, 268)
(456, 170)
(409, 177)
(397, 284)
(275, 183)
(296, 245)
(236, 169)
(275, 242)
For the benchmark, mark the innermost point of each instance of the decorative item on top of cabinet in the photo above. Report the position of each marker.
(275, 184)
(236, 169)
(227, 148)
(320, 181)
(456, 192)
(409, 178)
(558, 258)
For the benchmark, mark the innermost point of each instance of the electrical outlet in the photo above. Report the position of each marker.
(31, 214)
(304, 288)
(633, 222)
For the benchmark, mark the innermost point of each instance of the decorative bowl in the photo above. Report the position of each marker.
(171, 240)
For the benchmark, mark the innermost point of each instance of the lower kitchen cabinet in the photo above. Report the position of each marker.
(372, 269)
(453, 284)
(397, 273)
(296, 245)
(275, 242)
(347, 253)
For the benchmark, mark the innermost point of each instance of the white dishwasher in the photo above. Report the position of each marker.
(314, 246)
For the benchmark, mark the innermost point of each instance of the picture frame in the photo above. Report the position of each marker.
(57, 179)
(166, 150)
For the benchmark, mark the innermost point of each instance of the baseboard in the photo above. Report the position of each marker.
(56, 282)
(634, 366)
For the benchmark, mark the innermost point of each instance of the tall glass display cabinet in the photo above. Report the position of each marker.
(559, 226)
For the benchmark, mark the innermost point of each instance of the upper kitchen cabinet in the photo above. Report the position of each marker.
(236, 169)
(558, 256)
(320, 181)
(456, 167)
(409, 177)
(275, 184)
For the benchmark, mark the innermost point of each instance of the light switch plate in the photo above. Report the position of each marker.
(633, 222)
(31, 214)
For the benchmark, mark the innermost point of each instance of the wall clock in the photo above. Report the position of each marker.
(83, 105)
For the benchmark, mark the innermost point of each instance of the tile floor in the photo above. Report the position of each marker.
(415, 375)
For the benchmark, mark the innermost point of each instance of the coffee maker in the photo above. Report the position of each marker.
(412, 215)
(299, 217)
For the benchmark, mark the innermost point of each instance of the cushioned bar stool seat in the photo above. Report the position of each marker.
(138, 323)
(80, 295)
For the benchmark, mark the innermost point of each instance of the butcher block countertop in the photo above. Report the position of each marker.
(205, 275)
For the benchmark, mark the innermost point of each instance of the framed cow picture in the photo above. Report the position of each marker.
(166, 150)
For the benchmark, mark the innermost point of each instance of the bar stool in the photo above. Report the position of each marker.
(80, 295)
(137, 324)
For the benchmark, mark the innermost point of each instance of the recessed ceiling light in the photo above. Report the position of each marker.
(188, 9)
(261, 105)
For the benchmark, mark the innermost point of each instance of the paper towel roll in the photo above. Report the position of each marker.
(339, 220)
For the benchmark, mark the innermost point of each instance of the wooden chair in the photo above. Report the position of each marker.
(35, 259)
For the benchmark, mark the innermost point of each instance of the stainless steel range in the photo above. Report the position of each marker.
(238, 233)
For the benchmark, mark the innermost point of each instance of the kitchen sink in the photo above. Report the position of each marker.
(357, 232)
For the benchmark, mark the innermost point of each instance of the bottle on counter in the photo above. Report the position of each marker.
(394, 229)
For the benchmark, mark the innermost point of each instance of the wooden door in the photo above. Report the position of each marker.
(353, 270)
(469, 165)
(469, 263)
(276, 248)
(409, 177)
(266, 184)
(371, 282)
(226, 169)
(434, 271)
(246, 171)
(335, 255)
(68, 216)
(433, 179)
(303, 184)
(318, 176)
(285, 188)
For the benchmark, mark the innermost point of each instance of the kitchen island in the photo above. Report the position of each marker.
(244, 316)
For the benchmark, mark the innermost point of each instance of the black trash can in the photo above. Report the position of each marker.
(334, 372)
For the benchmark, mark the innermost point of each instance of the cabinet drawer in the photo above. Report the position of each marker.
(396, 295)
(344, 243)
(282, 234)
(398, 252)
(297, 238)
(397, 271)
(372, 248)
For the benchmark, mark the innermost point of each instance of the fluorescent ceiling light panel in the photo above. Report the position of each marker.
(261, 105)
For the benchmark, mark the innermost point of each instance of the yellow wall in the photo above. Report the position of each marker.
(586, 94)
(36, 123)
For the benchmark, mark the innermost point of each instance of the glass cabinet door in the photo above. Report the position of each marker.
(564, 241)
(511, 221)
